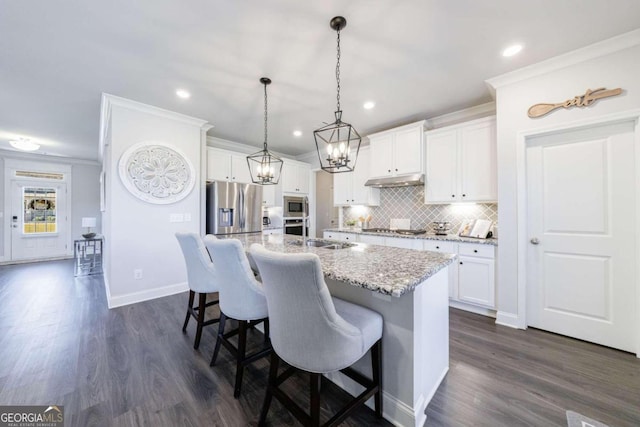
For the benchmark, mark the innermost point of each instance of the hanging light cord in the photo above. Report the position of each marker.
(265, 116)
(338, 71)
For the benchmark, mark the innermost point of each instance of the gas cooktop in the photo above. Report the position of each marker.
(388, 230)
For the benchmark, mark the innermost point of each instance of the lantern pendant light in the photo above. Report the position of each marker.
(264, 167)
(337, 143)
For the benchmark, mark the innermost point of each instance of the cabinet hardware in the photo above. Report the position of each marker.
(460, 262)
(535, 241)
(464, 195)
(396, 170)
(437, 247)
(453, 195)
(475, 251)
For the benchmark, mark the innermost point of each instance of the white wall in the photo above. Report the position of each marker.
(138, 235)
(618, 69)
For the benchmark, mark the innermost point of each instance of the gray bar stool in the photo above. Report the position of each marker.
(241, 299)
(201, 278)
(313, 332)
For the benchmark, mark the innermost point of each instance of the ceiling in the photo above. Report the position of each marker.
(416, 59)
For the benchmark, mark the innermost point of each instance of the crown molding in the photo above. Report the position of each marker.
(596, 50)
(465, 115)
(47, 158)
(225, 144)
(109, 101)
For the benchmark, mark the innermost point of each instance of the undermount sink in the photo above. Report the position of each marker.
(316, 243)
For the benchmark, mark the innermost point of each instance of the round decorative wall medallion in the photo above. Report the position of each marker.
(156, 173)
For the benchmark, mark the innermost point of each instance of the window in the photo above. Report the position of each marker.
(39, 210)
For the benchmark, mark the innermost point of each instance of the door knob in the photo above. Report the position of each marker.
(535, 241)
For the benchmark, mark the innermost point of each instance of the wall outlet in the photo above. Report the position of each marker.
(176, 218)
(137, 273)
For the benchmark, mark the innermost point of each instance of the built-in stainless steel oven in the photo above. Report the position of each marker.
(294, 226)
(295, 206)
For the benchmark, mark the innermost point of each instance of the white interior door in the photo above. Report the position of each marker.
(581, 225)
(39, 225)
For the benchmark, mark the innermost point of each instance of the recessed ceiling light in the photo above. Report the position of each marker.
(297, 133)
(369, 105)
(512, 50)
(24, 144)
(183, 94)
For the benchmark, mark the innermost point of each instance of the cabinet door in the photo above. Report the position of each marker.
(372, 240)
(364, 195)
(381, 156)
(407, 151)
(289, 177)
(400, 242)
(442, 168)
(304, 175)
(240, 169)
(478, 163)
(342, 189)
(476, 282)
(218, 165)
(268, 195)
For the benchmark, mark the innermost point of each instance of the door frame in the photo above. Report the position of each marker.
(523, 138)
(10, 167)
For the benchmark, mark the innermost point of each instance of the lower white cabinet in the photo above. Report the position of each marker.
(476, 274)
(471, 277)
(338, 235)
(272, 231)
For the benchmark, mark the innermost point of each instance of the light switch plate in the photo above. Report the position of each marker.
(187, 217)
(176, 218)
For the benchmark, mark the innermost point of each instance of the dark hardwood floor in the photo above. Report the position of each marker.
(133, 366)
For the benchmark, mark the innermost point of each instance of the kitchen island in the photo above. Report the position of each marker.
(410, 290)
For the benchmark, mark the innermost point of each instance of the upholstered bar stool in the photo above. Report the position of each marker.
(202, 280)
(316, 333)
(241, 299)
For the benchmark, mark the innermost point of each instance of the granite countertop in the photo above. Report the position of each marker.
(389, 271)
(426, 236)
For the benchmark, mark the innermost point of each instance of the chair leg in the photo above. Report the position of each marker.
(376, 369)
(186, 320)
(242, 345)
(273, 378)
(315, 399)
(201, 310)
(266, 330)
(219, 338)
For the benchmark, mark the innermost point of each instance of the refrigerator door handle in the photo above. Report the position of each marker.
(242, 208)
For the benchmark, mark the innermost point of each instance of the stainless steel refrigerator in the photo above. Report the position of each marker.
(233, 208)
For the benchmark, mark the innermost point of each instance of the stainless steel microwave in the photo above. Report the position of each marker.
(295, 206)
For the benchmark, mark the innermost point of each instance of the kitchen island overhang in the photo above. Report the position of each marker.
(410, 289)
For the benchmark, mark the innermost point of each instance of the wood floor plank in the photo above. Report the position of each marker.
(133, 366)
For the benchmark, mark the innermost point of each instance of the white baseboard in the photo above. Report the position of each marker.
(472, 308)
(395, 411)
(135, 297)
(28, 261)
(507, 319)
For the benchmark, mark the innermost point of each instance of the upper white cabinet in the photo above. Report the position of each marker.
(461, 163)
(223, 165)
(295, 177)
(269, 195)
(397, 151)
(349, 188)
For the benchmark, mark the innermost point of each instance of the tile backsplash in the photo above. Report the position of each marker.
(408, 202)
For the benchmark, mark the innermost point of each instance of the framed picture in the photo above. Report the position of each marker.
(465, 228)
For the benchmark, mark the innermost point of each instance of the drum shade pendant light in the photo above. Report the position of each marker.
(337, 143)
(264, 167)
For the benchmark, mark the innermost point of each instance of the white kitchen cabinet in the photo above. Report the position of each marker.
(371, 239)
(268, 195)
(476, 274)
(295, 177)
(223, 165)
(349, 188)
(272, 231)
(399, 242)
(397, 151)
(444, 246)
(339, 235)
(461, 163)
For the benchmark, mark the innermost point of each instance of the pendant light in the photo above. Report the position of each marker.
(264, 167)
(337, 143)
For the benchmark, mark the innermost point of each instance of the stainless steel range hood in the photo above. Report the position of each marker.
(396, 181)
